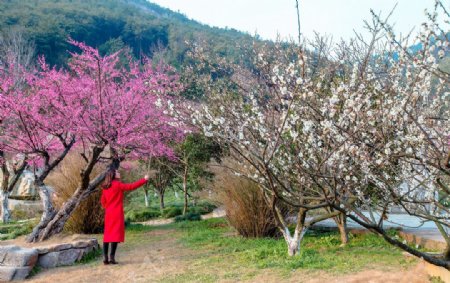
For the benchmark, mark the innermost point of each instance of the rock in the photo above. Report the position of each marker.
(81, 244)
(16, 256)
(94, 243)
(48, 260)
(10, 273)
(58, 247)
(25, 186)
(60, 258)
(68, 257)
(42, 250)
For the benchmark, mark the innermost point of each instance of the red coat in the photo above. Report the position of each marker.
(112, 202)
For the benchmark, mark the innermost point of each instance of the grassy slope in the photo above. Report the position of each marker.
(219, 254)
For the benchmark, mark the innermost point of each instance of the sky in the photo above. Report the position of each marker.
(268, 18)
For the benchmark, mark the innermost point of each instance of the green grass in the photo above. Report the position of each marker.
(319, 250)
(13, 230)
(91, 256)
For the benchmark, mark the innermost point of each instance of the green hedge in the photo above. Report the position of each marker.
(172, 211)
(142, 214)
(188, 217)
(202, 208)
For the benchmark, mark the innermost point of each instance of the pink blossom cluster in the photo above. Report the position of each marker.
(108, 102)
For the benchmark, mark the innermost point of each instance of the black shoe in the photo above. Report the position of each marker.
(105, 262)
(113, 261)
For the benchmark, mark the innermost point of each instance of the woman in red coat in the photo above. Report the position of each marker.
(112, 202)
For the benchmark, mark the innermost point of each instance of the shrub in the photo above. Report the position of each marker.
(172, 211)
(202, 208)
(245, 206)
(142, 214)
(191, 216)
(26, 210)
(88, 217)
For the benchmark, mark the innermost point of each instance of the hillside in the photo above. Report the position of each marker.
(110, 25)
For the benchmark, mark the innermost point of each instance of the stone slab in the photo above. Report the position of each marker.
(11, 273)
(16, 256)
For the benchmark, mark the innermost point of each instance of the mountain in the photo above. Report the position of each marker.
(110, 25)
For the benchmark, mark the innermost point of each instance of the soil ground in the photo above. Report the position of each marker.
(157, 256)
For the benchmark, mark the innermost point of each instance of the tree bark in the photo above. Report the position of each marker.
(146, 198)
(294, 241)
(7, 186)
(4, 198)
(341, 222)
(185, 191)
(447, 253)
(48, 213)
(161, 201)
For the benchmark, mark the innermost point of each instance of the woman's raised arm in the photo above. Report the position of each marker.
(132, 186)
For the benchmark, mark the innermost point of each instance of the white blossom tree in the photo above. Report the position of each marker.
(363, 126)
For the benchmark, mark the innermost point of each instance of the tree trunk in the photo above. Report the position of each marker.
(48, 213)
(447, 253)
(6, 215)
(185, 191)
(161, 201)
(341, 222)
(293, 241)
(54, 223)
(146, 198)
(4, 192)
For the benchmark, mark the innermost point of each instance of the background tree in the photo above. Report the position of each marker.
(194, 153)
(165, 171)
(16, 55)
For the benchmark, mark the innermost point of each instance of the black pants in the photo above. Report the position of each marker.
(113, 250)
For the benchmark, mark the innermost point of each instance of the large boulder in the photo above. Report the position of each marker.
(65, 254)
(16, 256)
(25, 186)
(13, 273)
(16, 262)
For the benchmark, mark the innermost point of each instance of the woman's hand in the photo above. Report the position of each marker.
(151, 174)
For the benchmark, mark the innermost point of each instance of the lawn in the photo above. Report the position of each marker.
(218, 253)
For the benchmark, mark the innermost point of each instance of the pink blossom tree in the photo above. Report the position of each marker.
(126, 116)
(106, 108)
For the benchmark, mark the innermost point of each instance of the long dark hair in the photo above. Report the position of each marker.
(110, 176)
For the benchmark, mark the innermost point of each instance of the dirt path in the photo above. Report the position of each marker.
(156, 256)
(218, 212)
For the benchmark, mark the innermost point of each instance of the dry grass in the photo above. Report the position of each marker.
(88, 216)
(244, 203)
